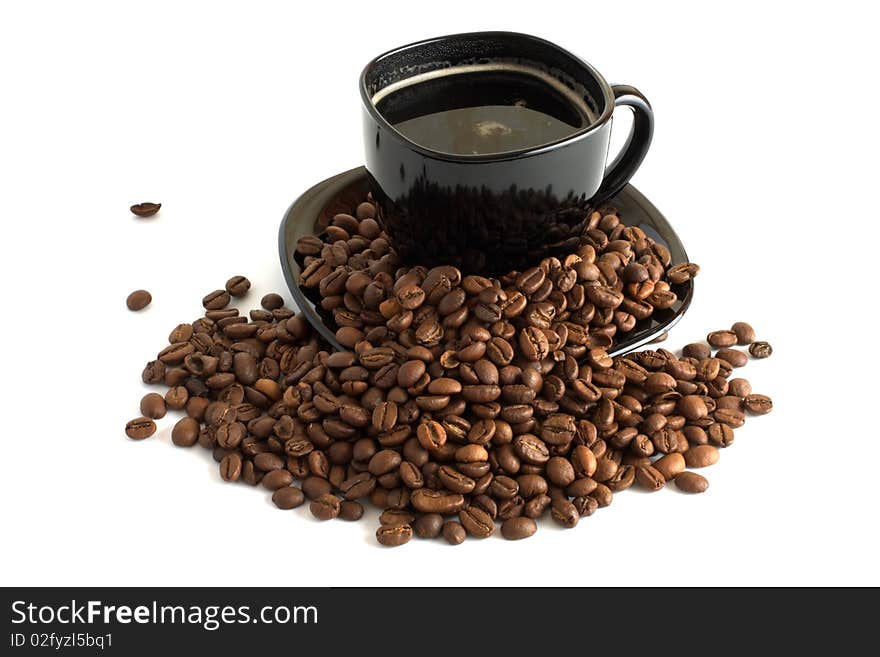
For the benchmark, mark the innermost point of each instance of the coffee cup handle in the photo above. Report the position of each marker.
(618, 173)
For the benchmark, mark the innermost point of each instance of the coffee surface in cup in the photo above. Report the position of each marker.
(483, 109)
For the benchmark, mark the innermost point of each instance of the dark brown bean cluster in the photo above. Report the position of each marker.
(460, 403)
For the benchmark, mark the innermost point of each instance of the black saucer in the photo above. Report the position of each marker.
(314, 210)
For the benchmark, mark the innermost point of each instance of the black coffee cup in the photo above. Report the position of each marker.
(485, 211)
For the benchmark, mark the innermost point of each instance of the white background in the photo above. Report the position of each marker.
(764, 160)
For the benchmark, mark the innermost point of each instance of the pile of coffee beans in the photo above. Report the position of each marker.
(459, 403)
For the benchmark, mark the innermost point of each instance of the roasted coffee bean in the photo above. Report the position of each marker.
(237, 286)
(145, 209)
(394, 535)
(216, 300)
(431, 435)
(138, 300)
(435, 501)
(230, 467)
(277, 479)
(760, 349)
(735, 357)
(453, 532)
(153, 406)
(682, 273)
(701, 456)
(670, 465)
(140, 428)
(288, 497)
(350, 510)
(428, 525)
(396, 516)
(564, 513)
(755, 404)
(476, 522)
(691, 482)
(531, 449)
(514, 529)
(325, 507)
(272, 301)
(185, 432)
(384, 416)
(745, 334)
(586, 505)
(697, 350)
(361, 485)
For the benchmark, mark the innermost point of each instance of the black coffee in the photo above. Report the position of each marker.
(483, 109)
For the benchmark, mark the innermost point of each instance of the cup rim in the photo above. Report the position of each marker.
(601, 120)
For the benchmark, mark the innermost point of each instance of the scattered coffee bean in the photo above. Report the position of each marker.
(237, 286)
(394, 535)
(721, 338)
(514, 529)
(145, 209)
(760, 349)
(700, 456)
(140, 428)
(185, 432)
(153, 406)
(138, 300)
(745, 334)
(691, 482)
(216, 300)
(289, 497)
(754, 404)
(351, 510)
(488, 400)
(453, 532)
(325, 507)
(272, 301)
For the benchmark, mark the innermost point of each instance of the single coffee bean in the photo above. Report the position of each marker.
(428, 525)
(723, 338)
(698, 350)
(153, 405)
(453, 532)
(670, 465)
(760, 349)
(755, 404)
(735, 357)
(289, 497)
(701, 456)
(272, 301)
(140, 428)
(394, 535)
(745, 334)
(436, 501)
(325, 507)
(314, 487)
(564, 513)
(237, 286)
(145, 209)
(177, 398)
(476, 522)
(431, 435)
(230, 467)
(216, 300)
(514, 529)
(351, 510)
(650, 478)
(185, 432)
(739, 388)
(692, 407)
(585, 505)
(691, 482)
(138, 300)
